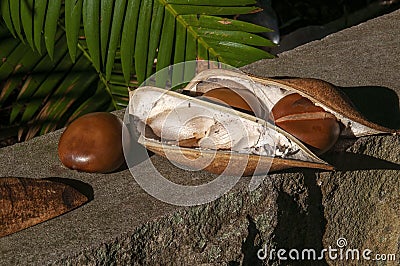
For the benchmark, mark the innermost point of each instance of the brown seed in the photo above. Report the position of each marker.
(309, 123)
(229, 97)
(92, 143)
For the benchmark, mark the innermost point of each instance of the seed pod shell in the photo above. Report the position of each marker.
(25, 202)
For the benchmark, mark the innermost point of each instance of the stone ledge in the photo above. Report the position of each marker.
(296, 209)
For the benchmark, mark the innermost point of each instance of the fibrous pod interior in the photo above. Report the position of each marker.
(172, 121)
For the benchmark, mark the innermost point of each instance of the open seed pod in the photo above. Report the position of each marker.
(207, 133)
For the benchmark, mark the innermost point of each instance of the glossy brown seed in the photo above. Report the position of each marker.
(92, 143)
(229, 97)
(309, 123)
(25, 202)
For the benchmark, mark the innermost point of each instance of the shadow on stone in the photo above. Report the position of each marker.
(80, 186)
(301, 227)
(134, 152)
(249, 246)
(347, 161)
(378, 104)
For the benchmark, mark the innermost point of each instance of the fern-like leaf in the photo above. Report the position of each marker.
(145, 31)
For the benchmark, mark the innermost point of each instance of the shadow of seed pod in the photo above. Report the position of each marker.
(92, 143)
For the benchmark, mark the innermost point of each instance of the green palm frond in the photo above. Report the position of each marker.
(44, 93)
(84, 55)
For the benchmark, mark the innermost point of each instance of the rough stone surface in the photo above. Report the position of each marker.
(363, 204)
(295, 209)
(361, 200)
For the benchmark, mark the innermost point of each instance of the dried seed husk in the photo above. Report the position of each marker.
(147, 106)
(25, 202)
(261, 94)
